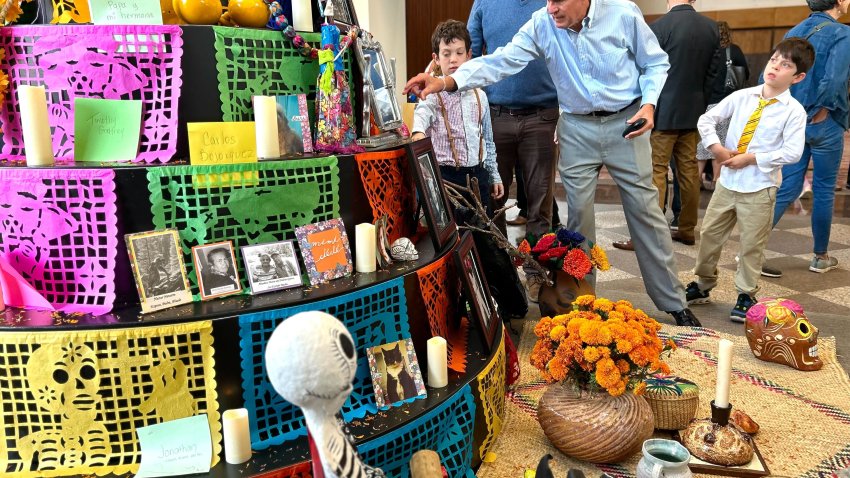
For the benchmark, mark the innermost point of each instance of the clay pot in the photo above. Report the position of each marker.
(198, 12)
(249, 13)
(594, 427)
(557, 298)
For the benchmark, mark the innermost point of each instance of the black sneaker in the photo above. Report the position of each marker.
(739, 312)
(695, 296)
(771, 272)
(686, 318)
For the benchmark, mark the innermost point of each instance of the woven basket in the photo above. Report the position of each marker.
(673, 400)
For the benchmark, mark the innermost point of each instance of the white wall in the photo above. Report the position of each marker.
(385, 20)
(651, 7)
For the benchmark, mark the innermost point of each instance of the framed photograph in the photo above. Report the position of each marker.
(344, 14)
(158, 269)
(271, 266)
(378, 84)
(395, 371)
(432, 195)
(325, 249)
(477, 292)
(215, 266)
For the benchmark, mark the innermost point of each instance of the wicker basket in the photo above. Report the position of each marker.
(673, 400)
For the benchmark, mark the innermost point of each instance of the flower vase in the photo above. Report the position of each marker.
(557, 299)
(594, 427)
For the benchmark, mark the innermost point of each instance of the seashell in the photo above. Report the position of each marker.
(402, 249)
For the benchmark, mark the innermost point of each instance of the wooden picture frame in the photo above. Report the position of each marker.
(432, 194)
(218, 276)
(481, 302)
(325, 250)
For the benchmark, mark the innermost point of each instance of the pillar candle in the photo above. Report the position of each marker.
(36, 128)
(724, 373)
(237, 439)
(437, 362)
(302, 15)
(265, 123)
(364, 257)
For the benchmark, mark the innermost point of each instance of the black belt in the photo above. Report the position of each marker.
(464, 169)
(498, 110)
(602, 114)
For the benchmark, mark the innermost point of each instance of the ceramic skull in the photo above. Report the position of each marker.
(311, 361)
(402, 249)
(779, 331)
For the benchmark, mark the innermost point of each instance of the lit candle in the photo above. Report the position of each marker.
(724, 373)
(237, 440)
(265, 123)
(302, 15)
(36, 128)
(437, 362)
(364, 257)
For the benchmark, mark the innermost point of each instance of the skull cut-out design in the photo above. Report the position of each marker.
(779, 331)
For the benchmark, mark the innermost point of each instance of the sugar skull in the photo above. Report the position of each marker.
(779, 331)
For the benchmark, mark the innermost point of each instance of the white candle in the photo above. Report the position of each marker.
(265, 122)
(724, 373)
(364, 257)
(302, 15)
(237, 438)
(437, 362)
(36, 128)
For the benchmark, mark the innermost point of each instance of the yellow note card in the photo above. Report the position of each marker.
(222, 143)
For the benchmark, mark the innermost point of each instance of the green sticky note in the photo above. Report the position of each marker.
(126, 12)
(178, 447)
(106, 130)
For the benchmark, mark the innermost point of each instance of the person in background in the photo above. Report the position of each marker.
(767, 131)
(824, 95)
(524, 112)
(610, 71)
(692, 44)
(459, 122)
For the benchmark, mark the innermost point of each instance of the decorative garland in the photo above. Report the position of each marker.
(279, 22)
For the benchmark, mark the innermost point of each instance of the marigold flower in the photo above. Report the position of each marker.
(543, 328)
(557, 369)
(591, 354)
(603, 305)
(624, 346)
(558, 332)
(671, 345)
(599, 258)
(577, 264)
(4, 82)
(624, 366)
(640, 388)
(617, 389)
(584, 300)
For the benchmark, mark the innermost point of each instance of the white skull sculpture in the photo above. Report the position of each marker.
(402, 249)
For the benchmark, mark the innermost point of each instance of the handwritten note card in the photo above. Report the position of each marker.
(222, 143)
(325, 249)
(106, 130)
(126, 12)
(178, 447)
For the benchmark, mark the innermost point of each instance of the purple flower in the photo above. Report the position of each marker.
(565, 236)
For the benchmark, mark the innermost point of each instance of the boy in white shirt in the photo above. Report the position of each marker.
(767, 131)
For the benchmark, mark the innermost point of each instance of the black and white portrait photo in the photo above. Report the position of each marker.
(215, 265)
(271, 266)
(158, 269)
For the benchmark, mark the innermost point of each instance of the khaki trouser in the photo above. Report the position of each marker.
(680, 146)
(753, 212)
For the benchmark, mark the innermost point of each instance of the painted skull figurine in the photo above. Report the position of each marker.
(402, 249)
(779, 331)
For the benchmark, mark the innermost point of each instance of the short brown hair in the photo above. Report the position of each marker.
(449, 31)
(798, 50)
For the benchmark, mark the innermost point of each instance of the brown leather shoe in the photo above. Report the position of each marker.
(678, 237)
(519, 221)
(624, 245)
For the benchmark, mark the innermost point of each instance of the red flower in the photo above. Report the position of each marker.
(577, 264)
(554, 253)
(524, 247)
(544, 243)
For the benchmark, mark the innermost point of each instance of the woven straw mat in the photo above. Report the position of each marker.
(804, 416)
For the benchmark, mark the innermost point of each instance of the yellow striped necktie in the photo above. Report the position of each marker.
(752, 123)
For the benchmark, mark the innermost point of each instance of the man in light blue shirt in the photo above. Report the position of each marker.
(609, 71)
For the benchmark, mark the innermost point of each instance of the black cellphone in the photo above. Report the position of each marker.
(634, 126)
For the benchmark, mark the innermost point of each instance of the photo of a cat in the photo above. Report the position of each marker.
(396, 376)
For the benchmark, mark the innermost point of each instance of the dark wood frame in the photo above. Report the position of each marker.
(488, 319)
(710, 469)
(440, 235)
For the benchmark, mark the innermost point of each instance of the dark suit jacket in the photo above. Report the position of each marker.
(692, 42)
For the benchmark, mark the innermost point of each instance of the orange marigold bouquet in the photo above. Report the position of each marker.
(600, 344)
(566, 250)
